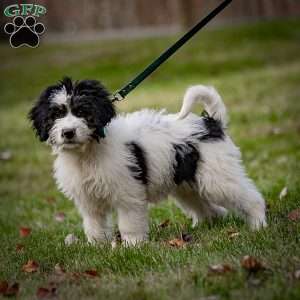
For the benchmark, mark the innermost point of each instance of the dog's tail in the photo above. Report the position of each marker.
(207, 96)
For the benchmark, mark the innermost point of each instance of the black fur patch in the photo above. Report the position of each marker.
(42, 115)
(187, 157)
(214, 129)
(140, 169)
(88, 99)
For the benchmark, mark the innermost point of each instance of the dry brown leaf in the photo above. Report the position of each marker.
(232, 233)
(90, 273)
(74, 276)
(3, 286)
(20, 248)
(45, 293)
(24, 231)
(59, 270)
(164, 224)
(31, 266)
(220, 269)
(187, 237)
(9, 290)
(283, 193)
(251, 264)
(178, 243)
(60, 216)
(294, 215)
(276, 130)
(70, 239)
(50, 200)
(5, 155)
(297, 274)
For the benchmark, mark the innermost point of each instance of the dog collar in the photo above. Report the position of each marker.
(104, 129)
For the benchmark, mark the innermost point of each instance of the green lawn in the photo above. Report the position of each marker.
(256, 68)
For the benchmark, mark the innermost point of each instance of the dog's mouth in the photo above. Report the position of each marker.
(70, 144)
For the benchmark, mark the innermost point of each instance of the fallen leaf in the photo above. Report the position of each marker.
(283, 193)
(297, 274)
(59, 270)
(20, 248)
(10, 290)
(74, 275)
(187, 237)
(251, 264)
(294, 215)
(220, 269)
(164, 224)
(178, 243)
(50, 200)
(3, 286)
(282, 159)
(232, 233)
(255, 282)
(276, 130)
(60, 216)
(5, 155)
(31, 266)
(46, 293)
(71, 239)
(25, 231)
(90, 273)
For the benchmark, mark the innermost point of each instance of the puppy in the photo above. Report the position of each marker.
(107, 162)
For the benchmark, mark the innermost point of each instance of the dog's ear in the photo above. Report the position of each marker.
(39, 114)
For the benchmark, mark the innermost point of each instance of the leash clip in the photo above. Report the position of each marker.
(116, 97)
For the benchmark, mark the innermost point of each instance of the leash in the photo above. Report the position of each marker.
(123, 92)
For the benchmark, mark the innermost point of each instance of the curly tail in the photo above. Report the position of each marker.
(207, 96)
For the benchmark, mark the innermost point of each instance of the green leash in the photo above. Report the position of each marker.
(123, 92)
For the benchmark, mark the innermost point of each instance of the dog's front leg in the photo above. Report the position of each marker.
(133, 222)
(97, 224)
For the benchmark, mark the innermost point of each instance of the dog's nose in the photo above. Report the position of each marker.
(68, 133)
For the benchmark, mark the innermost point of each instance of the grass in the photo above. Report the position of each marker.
(257, 70)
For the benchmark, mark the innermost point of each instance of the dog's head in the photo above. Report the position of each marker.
(71, 114)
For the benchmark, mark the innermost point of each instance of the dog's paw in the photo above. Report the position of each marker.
(24, 31)
(257, 223)
(97, 238)
(133, 239)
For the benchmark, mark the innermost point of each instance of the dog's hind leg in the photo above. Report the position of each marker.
(195, 207)
(243, 199)
(230, 188)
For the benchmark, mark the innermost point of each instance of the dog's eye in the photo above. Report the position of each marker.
(58, 112)
(79, 113)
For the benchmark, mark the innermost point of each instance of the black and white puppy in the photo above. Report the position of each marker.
(123, 162)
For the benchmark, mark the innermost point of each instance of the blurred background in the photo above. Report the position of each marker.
(89, 19)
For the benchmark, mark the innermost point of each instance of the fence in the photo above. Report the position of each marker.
(72, 16)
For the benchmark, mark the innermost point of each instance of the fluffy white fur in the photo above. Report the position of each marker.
(96, 175)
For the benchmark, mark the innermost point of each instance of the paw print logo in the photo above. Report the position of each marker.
(24, 32)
